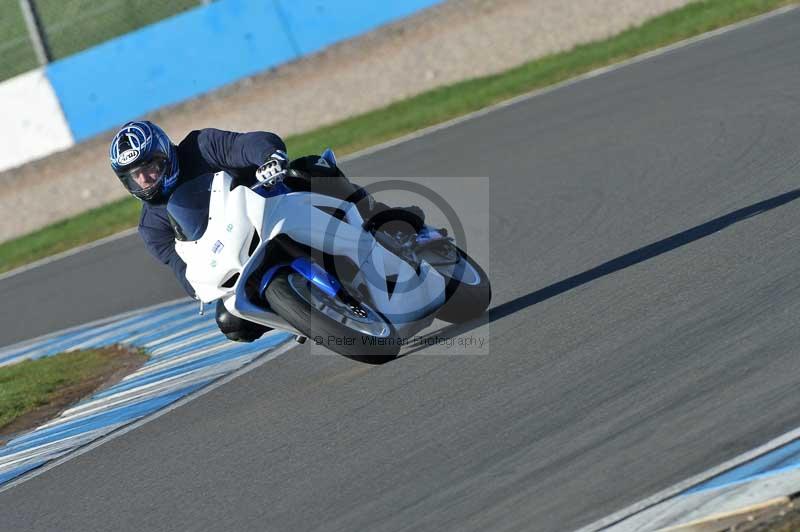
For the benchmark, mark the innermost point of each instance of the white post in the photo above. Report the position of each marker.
(34, 24)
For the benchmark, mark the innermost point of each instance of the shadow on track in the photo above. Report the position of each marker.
(614, 265)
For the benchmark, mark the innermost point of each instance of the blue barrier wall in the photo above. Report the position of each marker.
(315, 24)
(202, 50)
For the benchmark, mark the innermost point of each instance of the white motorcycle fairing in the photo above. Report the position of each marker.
(242, 224)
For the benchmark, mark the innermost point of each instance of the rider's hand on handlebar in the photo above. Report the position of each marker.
(274, 166)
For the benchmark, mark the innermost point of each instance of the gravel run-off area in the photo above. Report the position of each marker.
(457, 40)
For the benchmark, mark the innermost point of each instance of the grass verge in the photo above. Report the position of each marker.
(424, 110)
(67, 234)
(33, 391)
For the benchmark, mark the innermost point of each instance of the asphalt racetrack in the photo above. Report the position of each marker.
(644, 327)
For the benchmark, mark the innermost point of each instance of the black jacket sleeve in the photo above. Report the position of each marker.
(238, 151)
(159, 239)
(203, 151)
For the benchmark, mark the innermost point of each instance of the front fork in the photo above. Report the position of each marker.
(312, 271)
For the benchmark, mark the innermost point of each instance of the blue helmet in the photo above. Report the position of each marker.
(144, 160)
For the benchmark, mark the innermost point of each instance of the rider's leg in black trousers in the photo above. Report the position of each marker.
(306, 174)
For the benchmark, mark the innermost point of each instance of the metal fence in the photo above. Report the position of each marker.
(35, 32)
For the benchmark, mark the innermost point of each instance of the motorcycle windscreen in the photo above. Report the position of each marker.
(188, 208)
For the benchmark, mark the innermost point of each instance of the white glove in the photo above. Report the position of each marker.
(275, 165)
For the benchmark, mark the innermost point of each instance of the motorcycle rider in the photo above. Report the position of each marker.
(151, 167)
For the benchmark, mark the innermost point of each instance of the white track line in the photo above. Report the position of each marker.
(464, 118)
(675, 489)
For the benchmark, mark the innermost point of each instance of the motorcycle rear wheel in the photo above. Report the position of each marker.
(468, 291)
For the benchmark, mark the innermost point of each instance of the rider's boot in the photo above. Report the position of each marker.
(237, 329)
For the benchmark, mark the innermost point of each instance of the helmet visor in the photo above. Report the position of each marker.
(144, 180)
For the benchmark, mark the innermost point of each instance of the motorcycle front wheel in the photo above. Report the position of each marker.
(350, 328)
